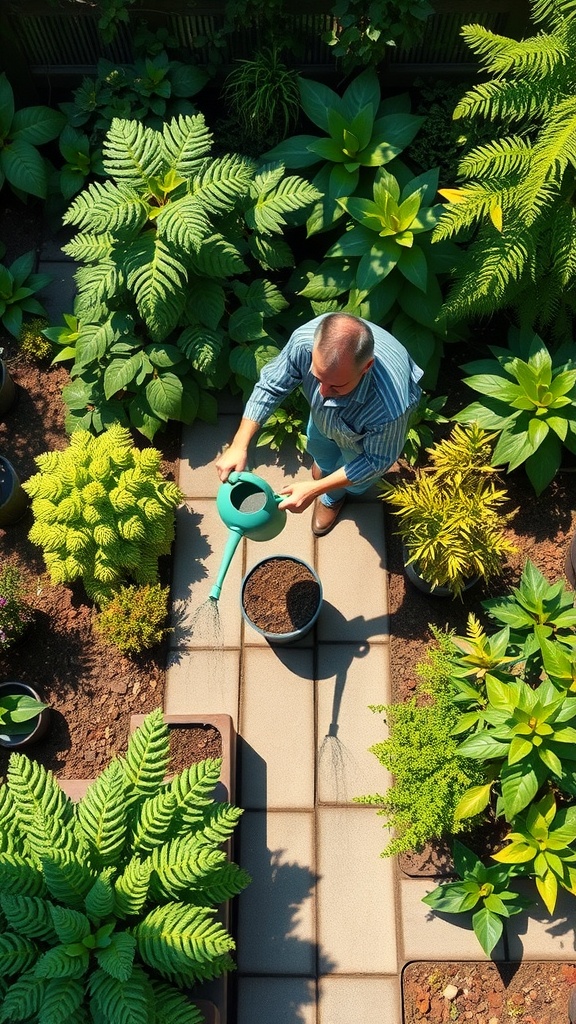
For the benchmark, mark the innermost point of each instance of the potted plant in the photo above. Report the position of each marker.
(114, 898)
(15, 612)
(281, 598)
(13, 500)
(450, 519)
(24, 719)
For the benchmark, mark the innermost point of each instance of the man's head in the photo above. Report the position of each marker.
(343, 352)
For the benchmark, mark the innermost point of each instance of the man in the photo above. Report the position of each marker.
(361, 386)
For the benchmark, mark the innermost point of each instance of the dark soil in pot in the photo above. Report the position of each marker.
(281, 596)
(192, 743)
(526, 993)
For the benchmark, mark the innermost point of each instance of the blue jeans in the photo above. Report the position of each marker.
(329, 457)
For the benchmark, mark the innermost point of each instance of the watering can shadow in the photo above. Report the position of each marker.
(248, 506)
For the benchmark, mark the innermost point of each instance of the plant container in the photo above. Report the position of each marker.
(7, 389)
(421, 584)
(37, 727)
(13, 499)
(281, 598)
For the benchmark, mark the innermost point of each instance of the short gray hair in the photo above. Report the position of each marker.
(340, 334)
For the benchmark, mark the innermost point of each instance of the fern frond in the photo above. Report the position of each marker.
(57, 963)
(91, 248)
(117, 959)
(205, 302)
(62, 997)
(291, 193)
(17, 954)
(194, 788)
(186, 141)
(99, 901)
(68, 879)
(157, 279)
(172, 1007)
(124, 1002)
(179, 866)
(29, 916)
(132, 153)
(95, 285)
(132, 886)
(218, 257)
(35, 791)
(554, 13)
(271, 254)
(221, 182)
(19, 876)
(70, 925)
(106, 207)
(102, 815)
(555, 149)
(154, 820)
(201, 346)
(534, 58)
(218, 824)
(219, 885)
(182, 943)
(503, 157)
(184, 224)
(488, 271)
(147, 756)
(23, 999)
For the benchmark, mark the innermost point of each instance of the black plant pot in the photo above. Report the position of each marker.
(426, 588)
(13, 499)
(37, 727)
(7, 389)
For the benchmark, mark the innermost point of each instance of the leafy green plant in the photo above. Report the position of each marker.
(543, 838)
(530, 399)
(165, 240)
(429, 776)
(286, 426)
(102, 512)
(16, 713)
(485, 888)
(526, 733)
(135, 619)
(109, 906)
(33, 344)
(263, 96)
(362, 34)
(21, 132)
(517, 190)
(16, 613)
(450, 518)
(82, 161)
(419, 433)
(361, 131)
(18, 285)
(385, 263)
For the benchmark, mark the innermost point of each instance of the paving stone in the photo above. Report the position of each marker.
(431, 936)
(350, 677)
(277, 729)
(276, 933)
(279, 468)
(200, 447)
(365, 1000)
(276, 1001)
(58, 296)
(351, 567)
(534, 935)
(356, 917)
(202, 682)
(200, 542)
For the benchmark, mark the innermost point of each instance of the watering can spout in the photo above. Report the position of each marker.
(234, 537)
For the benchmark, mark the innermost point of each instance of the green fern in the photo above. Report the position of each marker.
(517, 187)
(92, 941)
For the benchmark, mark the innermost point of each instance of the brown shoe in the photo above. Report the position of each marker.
(317, 473)
(324, 518)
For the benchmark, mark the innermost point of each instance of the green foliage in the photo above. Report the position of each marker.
(21, 132)
(123, 916)
(516, 196)
(33, 344)
(485, 888)
(440, 141)
(81, 161)
(134, 620)
(429, 775)
(362, 34)
(360, 131)
(102, 512)
(18, 285)
(287, 425)
(419, 433)
(530, 399)
(450, 518)
(263, 97)
(16, 713)
(163, 317)
(15, 611)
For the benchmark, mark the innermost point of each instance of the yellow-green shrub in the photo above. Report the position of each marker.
(134, 620)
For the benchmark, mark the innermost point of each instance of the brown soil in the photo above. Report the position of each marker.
(487, 993)
(281, 596)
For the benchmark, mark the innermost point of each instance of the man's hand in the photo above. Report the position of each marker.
(299, 496)
(233, 458)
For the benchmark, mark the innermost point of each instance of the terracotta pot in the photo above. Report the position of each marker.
(38, 726)
(292, 594)
(13, 499)
(7, 389)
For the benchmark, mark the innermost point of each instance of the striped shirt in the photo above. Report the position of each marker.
(371, 421)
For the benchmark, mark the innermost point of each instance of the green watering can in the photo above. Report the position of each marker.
(249, 508)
